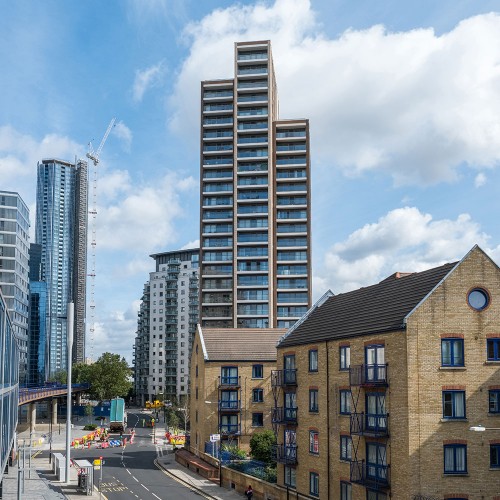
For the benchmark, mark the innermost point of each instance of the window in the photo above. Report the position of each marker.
(313, 400)
(257, 419)
(290, 476)
(346, 448)
(375, 363)
(314, 442)
(453, 404)
(452, 352)
(455, 458)
(375, 495)
(376, 413)
(229, 375)
(345, 402)
(376, 462)
(495, 456)
(313, 360)
(314, 484)
(478, 299)
(258, 371)
(493, 349)
(345, 358)
(494, 401)
(345, 491)
(258, 395)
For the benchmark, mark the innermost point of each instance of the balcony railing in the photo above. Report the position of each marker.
(370, 424)
(230, 429)
(368, 375)
(284, 378)
(285, 454)
(230, 405)
(230, 381)
(284, 415)
(371, 475)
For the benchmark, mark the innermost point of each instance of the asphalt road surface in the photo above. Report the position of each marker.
(130, 472)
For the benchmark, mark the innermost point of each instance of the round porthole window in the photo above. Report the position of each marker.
(478, 299)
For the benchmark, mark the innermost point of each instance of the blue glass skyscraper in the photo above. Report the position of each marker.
(61, 231)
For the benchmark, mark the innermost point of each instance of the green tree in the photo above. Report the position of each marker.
(89, 411)
(61, 377)
(108, 377)
(261, 445)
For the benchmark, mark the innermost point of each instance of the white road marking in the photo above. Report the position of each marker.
(156, 496)
(135, 478)
(146, 488)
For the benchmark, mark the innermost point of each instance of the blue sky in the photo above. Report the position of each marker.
(403, 100)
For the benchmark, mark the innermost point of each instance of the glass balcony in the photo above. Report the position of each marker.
(284, 378)
(285, 454)
(249, 56)
(256, 69)
(250, 84)
(368, 375)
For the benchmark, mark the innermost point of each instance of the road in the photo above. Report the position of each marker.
(130, 472)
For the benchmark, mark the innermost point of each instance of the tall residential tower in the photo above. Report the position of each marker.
(61, 230)
(255, 200)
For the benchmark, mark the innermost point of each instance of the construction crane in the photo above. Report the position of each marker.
(94, 156)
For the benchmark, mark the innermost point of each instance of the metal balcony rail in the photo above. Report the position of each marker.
(284, 454)
(368, 375)
(370, 424)
(372, 475)
(283, 378)
(284, 415)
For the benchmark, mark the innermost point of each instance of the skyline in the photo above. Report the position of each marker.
(402, 102)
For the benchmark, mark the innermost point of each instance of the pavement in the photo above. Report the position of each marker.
(40, 483)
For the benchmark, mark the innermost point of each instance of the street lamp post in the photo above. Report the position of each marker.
(220, 448)
(69, 341)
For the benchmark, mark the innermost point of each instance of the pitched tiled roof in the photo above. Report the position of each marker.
(374, 309)
(241, 344)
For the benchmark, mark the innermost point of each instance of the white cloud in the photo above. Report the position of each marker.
(142, 220)
(123, 133)
(146, 79)
(412, 104)
(404, 239)
(191, 244)
(480, 180)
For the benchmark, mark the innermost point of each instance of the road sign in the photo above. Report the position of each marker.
(214, 437)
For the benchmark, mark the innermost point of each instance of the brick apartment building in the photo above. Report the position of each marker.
(376, 389)
(230, 376)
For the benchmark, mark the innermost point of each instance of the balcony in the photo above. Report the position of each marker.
(284, 415)
(285, 454)
(371, 475)
(229, 406)
(370, 424)
(284, 378)
(230, 429)
(230, 381)
(368, 375)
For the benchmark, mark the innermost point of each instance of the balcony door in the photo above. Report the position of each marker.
(375, 363)
(376, 415)
(376, 462)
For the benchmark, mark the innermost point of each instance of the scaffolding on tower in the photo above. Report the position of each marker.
(94, 156)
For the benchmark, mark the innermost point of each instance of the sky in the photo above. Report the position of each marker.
(403, 99)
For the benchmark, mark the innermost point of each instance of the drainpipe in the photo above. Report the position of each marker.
(328, 417)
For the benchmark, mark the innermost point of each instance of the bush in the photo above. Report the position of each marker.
(261, 446)
(90, 427)
(235, 452)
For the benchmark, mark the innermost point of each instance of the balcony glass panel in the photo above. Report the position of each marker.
(214, 133)
(262, 97)
(252, 252)
(253, 295)
(291, 146)
(292, 200)
(252, 153)
(291, 132)
(217, 256)
(291, 174)
(218, 269)
(291, 228)
(249, 139)
(292, 283)
(217, 283)
(252, 209)
(254, 54)
(217, 160)
(253, 111)
(252, 237)
(291, 160)
(292, 297)
(217, 200)
(253, 309)
(249, 84)
(217, 228)
(252, 181)
(217, 242)
(258, 166)
(252, 195)
(250, 125)
(252, 223)
(291, 311)
(292, 214)
(251, 280)
(217, 298)
(292, 255)
(223, 106)
(289, 269)
(217, 93)
(214, 187)
(217, 312)
(296, 186)
(218, 146)
(217, 120)
(217, 214)
(300, 241)
(258, 265)
(253, 323)
(254, 69)
(217, 174)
